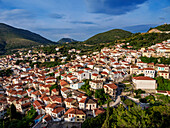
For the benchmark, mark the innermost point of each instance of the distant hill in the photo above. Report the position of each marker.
(65, 40)
(14, 38)
(109, 36)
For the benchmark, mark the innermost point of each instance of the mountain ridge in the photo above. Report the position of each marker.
(13, 38)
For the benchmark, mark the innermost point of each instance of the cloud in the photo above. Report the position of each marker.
(53, 29)
(56, 16)
(82, 22)
(113, 7)
(140, 28)
(52, 33)
(166, 9)
(15, 14)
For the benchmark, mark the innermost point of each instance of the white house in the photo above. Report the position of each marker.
(81, 75)
(76, 85)
(57, 113)
(49, 108)
(150, 72)
(144, 82)
(141, 64)
(96, 84)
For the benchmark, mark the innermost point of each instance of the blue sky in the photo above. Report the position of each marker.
(81, 19)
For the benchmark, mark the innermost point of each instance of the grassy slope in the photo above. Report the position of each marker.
(109, 36)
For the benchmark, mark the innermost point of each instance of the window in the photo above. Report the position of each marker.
(77, 119)
(82, 116)
(72, 115)
(77, 116)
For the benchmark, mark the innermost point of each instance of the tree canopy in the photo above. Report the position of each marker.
(163, 84)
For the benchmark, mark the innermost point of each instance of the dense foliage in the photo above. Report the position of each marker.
(16, 120)
(163, 100)
(7, 72)
(134, 117)
(162, 60)
(149, 59)
(101, 95)
(94, 122)
(163, 84)
(139, 91)
(86, 88)
(55, 86)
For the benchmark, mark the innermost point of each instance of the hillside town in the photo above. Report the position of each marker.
(79, 88)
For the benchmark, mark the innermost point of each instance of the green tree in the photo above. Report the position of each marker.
(134, 117)
(106, 123)
(163, 84)
(89, 93)
(139, 91)
(95, 122)
(101, 95)
(160, 116)
(12, 111)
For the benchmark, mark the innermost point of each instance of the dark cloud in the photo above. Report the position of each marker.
(113, 7)
(56, 16)
(82, 22)
(140, 28)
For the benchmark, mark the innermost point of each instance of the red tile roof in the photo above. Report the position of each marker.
(47, 118)
(80, 72)
(64, 89)
(74, 111)
(58, 109)
(99, 111)
(112, 86)
(142, 78)
(148, 69)
(63, 83)
(51, 106)
(104, 73)
(94, 74)
(83, 100)
(69, 99)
